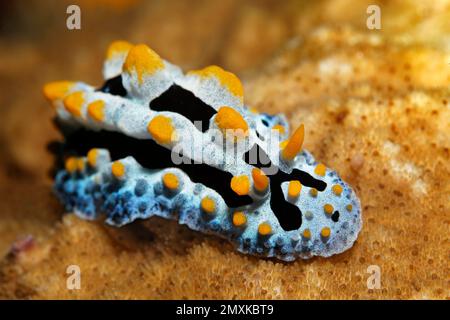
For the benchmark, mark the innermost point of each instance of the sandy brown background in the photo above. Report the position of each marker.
(375, 105)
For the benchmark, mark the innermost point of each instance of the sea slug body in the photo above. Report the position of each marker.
(156, 141)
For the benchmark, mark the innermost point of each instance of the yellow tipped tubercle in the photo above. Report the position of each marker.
(239, 219)
(294, 188)
(279, 128)
(170, 181)
(227, 79)
(320, 169)
(229, 119)
(74, 102)
(118, 47)
(264, 229)
(118, 169)
(260, 180)
(142, 60)
(328, 208)
(96, 110)
(92, 157)
(294, 144)
(326, 232)
(161, 129)
(71, 164)
(240, 185)
(208, 205)
(337, 189)
(80, 164)
(57, 90)
(307, 234)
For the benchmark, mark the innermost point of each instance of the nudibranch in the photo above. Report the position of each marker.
(154, 141)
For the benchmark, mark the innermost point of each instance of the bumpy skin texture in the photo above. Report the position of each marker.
(317, 214)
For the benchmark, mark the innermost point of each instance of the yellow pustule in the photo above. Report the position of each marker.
(92, 157)
(71, 164)
(227, 79)
(80, 164)
(260, 180)
(264, 229)
(279, 128)
(337, 189)
(294, 188)
(240, 185)
(326, 232)
(118, 47)
(208, 205)
(57, 90)
(142, 60)
(96, 110)
(229, 119)
(328, 208)
(118, 169)
(320, 169)
(313, 192)
(170, 181)
(306, 234)
(161, 129)
(74, 102)
(239, 219)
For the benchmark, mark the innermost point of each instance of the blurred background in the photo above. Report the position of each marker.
(241, 36)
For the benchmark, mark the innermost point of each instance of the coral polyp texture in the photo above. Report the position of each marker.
(156, 141)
